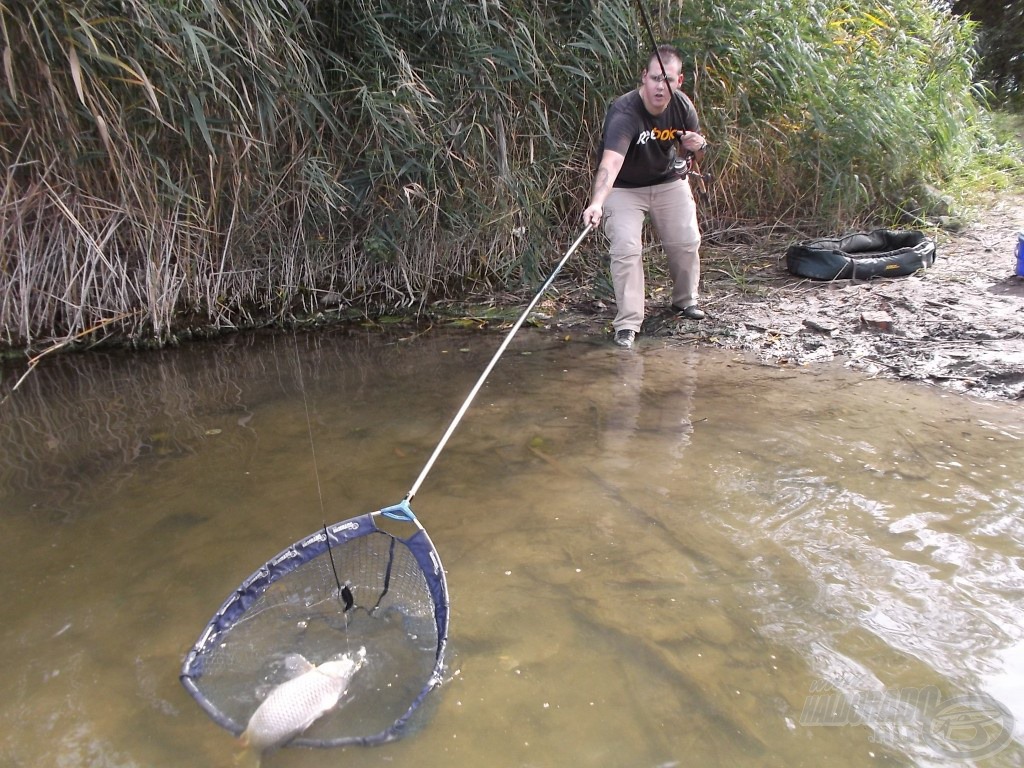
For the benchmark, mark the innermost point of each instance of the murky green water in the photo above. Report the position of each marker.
(661, 557)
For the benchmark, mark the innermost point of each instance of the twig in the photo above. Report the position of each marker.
(33, 362)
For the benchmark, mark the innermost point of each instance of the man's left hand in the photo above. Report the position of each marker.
(693, 142)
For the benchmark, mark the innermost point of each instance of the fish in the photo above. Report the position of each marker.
(296, 704)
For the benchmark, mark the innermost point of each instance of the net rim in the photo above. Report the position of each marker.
(286, 561)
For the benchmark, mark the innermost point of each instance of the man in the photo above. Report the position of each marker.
(648, 134)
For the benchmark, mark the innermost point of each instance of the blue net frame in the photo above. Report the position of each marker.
(348, 585)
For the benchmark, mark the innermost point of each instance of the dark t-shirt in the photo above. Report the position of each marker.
(648, 143)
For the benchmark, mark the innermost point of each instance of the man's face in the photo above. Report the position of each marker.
(656, 90)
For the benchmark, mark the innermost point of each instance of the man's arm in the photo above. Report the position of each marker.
(604, 179)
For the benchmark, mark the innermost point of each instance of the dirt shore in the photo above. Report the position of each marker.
(958, 324)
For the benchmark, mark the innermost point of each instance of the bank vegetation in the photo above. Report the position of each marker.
(175, 167)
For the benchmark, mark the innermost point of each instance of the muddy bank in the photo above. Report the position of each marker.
(958, 324)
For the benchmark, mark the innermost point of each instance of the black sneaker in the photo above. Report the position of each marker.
(624, 337)
(692, 312)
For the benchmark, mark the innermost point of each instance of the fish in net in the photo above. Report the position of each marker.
(352, 615)
(351, 590)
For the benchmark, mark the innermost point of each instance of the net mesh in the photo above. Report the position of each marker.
(393, 602)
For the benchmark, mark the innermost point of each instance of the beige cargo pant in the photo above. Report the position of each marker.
(674, 215)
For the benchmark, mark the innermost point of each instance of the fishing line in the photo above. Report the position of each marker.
(344, 594)
(309, 428)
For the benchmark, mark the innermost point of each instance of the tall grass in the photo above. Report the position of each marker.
(204, 164)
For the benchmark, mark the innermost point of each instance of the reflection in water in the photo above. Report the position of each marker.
(655, 411)
(656, 557)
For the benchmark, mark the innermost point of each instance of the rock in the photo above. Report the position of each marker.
(935, 201)
(911, 212)
(814, 325)
(877, 321)
(951, 223)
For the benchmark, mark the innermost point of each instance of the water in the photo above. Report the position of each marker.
(663, 557)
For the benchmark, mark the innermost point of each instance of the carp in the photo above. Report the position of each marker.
(296, 704)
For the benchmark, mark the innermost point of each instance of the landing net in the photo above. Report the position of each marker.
(348, 587)
(392, 601)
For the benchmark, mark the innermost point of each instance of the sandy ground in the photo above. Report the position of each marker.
(958, 325)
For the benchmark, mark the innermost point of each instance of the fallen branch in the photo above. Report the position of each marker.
(33, 362)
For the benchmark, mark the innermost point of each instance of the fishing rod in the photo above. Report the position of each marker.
(694, 169)
(654, 43)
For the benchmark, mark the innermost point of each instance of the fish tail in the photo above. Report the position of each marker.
(247, 757)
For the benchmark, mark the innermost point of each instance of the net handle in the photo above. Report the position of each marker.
(402, 509)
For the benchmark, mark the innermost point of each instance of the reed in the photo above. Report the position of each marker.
(187, 167)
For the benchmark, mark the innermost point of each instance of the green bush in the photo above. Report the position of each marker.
(831, 111)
